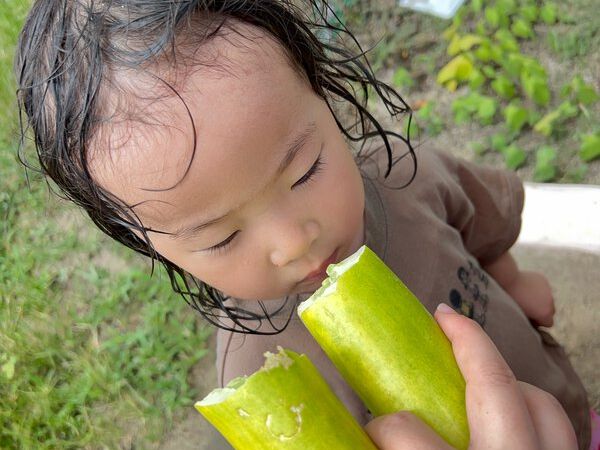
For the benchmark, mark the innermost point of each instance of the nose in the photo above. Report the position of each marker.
(292, 240)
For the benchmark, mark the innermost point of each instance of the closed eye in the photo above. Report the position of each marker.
(222, 246)
(308, 176)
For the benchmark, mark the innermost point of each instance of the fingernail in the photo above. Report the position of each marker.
(445, 309)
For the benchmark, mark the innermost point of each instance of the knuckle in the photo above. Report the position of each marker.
(466, 325)
(497, 375)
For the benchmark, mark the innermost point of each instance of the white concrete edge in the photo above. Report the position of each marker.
(445, 9)
(561, 215)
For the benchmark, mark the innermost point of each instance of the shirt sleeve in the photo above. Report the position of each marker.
(484, 204)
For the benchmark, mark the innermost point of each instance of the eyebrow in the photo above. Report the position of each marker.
(294, 147)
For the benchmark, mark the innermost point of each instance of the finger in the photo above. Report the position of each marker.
(496, 410)
(402, 431)
(543, 322)
(552, 425)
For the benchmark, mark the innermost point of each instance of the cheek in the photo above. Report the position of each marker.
(343, 194)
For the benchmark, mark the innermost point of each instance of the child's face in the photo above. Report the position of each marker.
(280, 229)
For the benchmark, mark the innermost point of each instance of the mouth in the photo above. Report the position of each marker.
(320, 273)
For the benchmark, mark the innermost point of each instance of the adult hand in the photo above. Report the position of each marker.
(502, 412)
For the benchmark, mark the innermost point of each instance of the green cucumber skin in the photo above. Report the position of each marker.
(326, 424)
(389, 348)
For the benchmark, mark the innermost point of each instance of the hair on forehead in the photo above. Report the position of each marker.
(80, 64)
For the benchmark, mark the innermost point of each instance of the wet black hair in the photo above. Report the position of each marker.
(67, 55)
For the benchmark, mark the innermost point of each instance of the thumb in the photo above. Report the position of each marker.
(404, 431)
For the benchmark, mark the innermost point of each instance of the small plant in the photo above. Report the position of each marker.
(516, 117)
(549, 13)
(402, 78)
(498, 142)
(429, 120)
(474, 105)
(590, 147)
(456, 71)
(514, 157)
(479, 148)
(545, 164)
(579, 91)
(552, 122)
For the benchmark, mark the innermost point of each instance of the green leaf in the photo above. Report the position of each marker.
(568, 110)
(463, 43)
(458, 69)
(486, 110)
(429, 120)
(464, 107)
(514, 157)
(489, 71)
(481, 28)
(506, 40)
(590, 147)
(498, 142)
(548, 13)
(577, 174)
(536, 88)
(583, 93)
(461, 116)
(522, 29)
(547, 124)
(481, 106)
(476, 5)
(492, 16)
(529, 12)
(533, 67)
(587, 95)
(496, 53)
(506, 7)
(449, 32)
(479, 148)
(516, 117)
(545, 164)
(402, 78)
(483, 53)
(513, 64)
(503, 87)
(476, 80)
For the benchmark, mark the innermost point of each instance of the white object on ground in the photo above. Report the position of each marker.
(440, 8)
(562, 216)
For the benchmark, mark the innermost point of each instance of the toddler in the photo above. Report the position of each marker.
(207, 136)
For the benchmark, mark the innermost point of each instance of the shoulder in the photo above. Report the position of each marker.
(423, 167)
(430, 170)
(418, 181)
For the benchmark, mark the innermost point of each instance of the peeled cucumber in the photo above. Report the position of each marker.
(387, 346)
(285, 405)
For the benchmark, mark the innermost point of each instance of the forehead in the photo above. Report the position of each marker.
(242, 117)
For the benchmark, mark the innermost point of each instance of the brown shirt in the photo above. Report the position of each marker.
(435, 234)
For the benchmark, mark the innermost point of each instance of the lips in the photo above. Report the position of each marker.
(321, 271)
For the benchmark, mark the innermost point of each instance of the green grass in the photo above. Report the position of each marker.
(93, 352)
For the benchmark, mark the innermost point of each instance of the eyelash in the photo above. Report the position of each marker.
(308, 176)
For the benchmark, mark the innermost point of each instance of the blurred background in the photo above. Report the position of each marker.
(96, 353)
